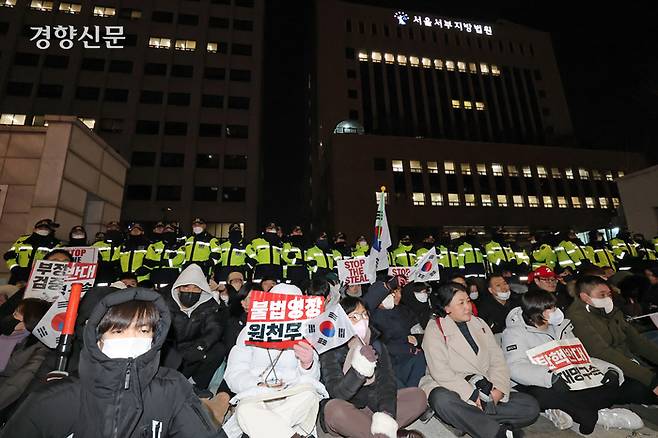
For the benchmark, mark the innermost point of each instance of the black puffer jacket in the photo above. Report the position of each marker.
(115, 398)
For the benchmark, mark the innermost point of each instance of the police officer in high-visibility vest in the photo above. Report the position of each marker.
(571, 251)
(448, 258)
(522, 258)
(109, 252)
(320, 258)
(341, 249)
(541, 251)
(644, 247)
(404, 254)
(164, 258)
(264, 255)
(427, 244)
(233, 255)
(294, 251)
(156, 233)
(133, 251)
(29, 248)
(201, 248)
(625, 251)
(361, 247)
(603, 256)
(500, 256)
(471, 256)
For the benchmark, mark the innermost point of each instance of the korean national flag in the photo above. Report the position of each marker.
(329, 330)
(426, 268)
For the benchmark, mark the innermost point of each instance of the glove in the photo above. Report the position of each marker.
(482, 384)
(559, 384)
(396, 282)
(369, 353)
(611, 377)
(304, 353)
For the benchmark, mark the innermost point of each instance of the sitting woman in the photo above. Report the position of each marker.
(359, 378)
(535, 323)
(468, 383)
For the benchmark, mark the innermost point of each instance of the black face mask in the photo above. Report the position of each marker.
(235, 236)
(296, 241)
(428, 245)
(7, 325)
(168, 237)
(405, 243)
(78, 242)
(323, 244)
(113, 236)
(339, 245)
(271, 238)
(189, 299)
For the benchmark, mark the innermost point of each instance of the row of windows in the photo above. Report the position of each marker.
(22, 119)
(437, 63)
(138, 192)
(485, 200)
(237, 49)
(203, 161)
(411, 34)
(107, 11)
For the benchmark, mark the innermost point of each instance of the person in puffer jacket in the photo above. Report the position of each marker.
(536, 322)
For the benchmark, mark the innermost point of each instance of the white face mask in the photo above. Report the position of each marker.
(361, 328)
(503, 295)
(603, 303)
(78, 236)
(474, 295)
(389, 302)
(43, 232)
(123, 348)
(197, 230)
(556, 317)
(363, 244)
(421, 296)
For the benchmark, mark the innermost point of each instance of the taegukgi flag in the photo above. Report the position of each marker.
(378, 258)
(426, 268)
(331, 329)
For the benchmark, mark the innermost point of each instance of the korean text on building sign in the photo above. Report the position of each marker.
(569, 360)
(480, 29)
(91, 36)
(276, 320)
(52, 280)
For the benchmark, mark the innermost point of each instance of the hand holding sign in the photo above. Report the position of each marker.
(304, 353)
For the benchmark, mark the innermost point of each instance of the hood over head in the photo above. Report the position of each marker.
(192, 275)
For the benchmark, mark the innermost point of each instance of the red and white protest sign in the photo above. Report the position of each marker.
(352, 271)
(276, 320)
(52, 280)
(568, 359)
(83, 254)
(399, 270)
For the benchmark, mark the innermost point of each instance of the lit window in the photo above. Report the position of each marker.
(41, 5)
(481, 168)
(468, 105)
(583, 173)
(486, 201)
(461, 66)
(39, 121)
(470, 199)
(568, 173)
(502, 200)
(12, 119)
(376, 57)
(615, 202)
(135, 14)
(620, 173)
(472, 67)
(419, 198)
(402, 60)
(608, 175)
(415, 166)
(555, 173)
(212, 47)
(8, 3)
(548, 201)
(389, 58)
(479, 106)
(466, 168)
(453, 199)
(589, 202)
(541, 171)
(363, 56)
(103, 11)
(533, 201)
(575, 201)
(518, 201)
(494, 70)
(512, 170)
(484, 68)
(438, 64)
(603, 202)
(450, 65)
(456, 104)
(69, 8)
(414, 61)
(432, 167)
(185, 45)
(90, 123)
(397, 166)
(437, 199)
(497, 169)
(562, 202)
(527, 172)
(427, 63)
(596, 175)
(160, 43)
(449, 167)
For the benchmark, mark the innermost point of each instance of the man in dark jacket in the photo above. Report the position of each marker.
(197, 322)
(127, 398)
(415, 296)
(494, 307)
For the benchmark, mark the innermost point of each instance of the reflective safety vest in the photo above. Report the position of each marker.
(497, 253)
(655, 244)
(108, 251)
(23, 254)
(447, 258)
(603, 257)
(339, 255)
(293, 257)
(403, 256)
(263, 253)
(201, 248)
(544, 256)
(133, 259)
(469, 255)
(232, 255)
(572, 255)
(324, 260)
(159, 256)
(522, 257)
(359, 251)
(621, 248)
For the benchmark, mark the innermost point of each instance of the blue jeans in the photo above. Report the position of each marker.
(409, 369)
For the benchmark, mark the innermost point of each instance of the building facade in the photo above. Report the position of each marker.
(180, 101)
(640, 200)
(466, 124)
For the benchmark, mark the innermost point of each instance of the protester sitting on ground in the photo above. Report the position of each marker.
(497, 303)
(467, 381)
(650, 297)
(361, 384)
(121, 387)
(536, 322)
(267, 283)
(415, 296)
(475, 297)
(607, 335)
(544, 278)
(395, 322)
(278, 391)
(629, 301)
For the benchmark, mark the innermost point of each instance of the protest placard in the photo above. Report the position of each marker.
(399, 270)
(329, 330)
(352, 271)
(275, 320)
(568, 359)
(83, 254)
(50, 280)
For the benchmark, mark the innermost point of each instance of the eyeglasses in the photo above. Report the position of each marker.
(356, 317)
(548, 279)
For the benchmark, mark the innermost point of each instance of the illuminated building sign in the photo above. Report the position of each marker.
(404, 19)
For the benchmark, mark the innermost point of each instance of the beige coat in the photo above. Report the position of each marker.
(450, 358)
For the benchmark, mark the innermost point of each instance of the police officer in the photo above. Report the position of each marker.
(404, 255)
(164, 258)
(603, 256)
(294, 250)
(156, 234)
(427, 244)
(233, 255)
(471, 256)
(29, 248)
(500, 256)
(340, 248)
(264, 254)
(572, 252)
(361, 247)
(109, 253)
(542, 253)
(448, 258)
(201, 248)
(78, 236)
(645, 248)
(320, 257)
(133, 251)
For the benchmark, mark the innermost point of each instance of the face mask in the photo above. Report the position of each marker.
(323, 244)
(43, 232)
(361, 329)
(363, 244)
(603, 303)
(169, 236)
(78, 235)
(339, 244)
(556, 317)
(7, 325)
(428, 245)
(421, 296)
(113, 235)
(123, 348)
(235, 236)
(474, 295)
(503, 295)
(354, 293)
(296, 240)
(389, 302)
(197, 230)
(189, 299)
(405, 243)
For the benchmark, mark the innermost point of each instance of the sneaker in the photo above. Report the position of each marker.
(619, 418)
(559, 418)
(427, 415)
